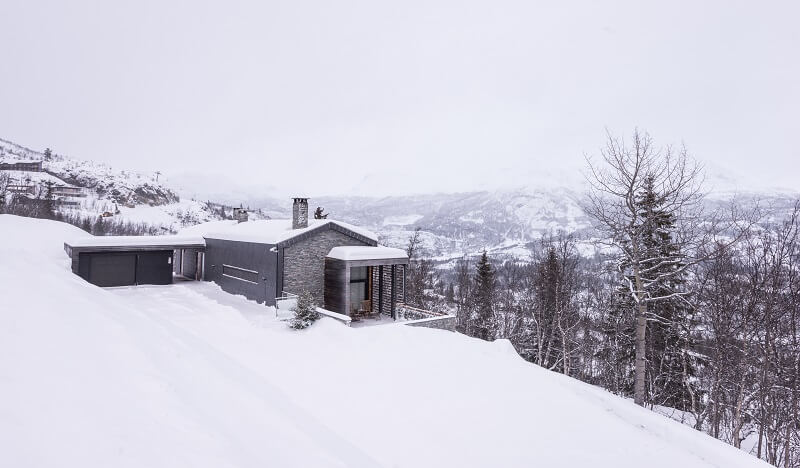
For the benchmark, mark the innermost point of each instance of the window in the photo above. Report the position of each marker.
(241, 274)
(359, 286)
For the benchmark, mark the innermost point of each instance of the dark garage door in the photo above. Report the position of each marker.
(112, 269)
(127, 268)
(154, 267)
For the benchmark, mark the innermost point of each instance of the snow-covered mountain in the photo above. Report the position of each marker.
(129, 196)
(186, 375)
(506, 222)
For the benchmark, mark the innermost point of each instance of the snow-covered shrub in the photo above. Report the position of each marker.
(305, 311)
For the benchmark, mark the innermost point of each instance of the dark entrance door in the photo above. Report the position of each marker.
(112, 269)
(154, 267)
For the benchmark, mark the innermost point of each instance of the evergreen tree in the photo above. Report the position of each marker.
(305, 312)
(484, 297)
(99, 227)
(320, 214)
(86, 224)
(463, 295)
(48, 154)
(48, 210)
(450, 293)
(671, 369)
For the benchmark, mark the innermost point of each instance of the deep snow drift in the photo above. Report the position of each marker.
(188, 376)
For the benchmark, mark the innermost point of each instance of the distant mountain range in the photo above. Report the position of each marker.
(505, 222)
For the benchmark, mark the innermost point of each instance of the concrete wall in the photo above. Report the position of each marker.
(447, 322)
(304, 262)
(248, 255)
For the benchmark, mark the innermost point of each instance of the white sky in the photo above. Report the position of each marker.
(399, 97)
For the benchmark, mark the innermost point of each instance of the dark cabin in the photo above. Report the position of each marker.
(341, 265)
(28, 166)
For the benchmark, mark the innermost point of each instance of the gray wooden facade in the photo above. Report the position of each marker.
(262, 271)
(245, 268)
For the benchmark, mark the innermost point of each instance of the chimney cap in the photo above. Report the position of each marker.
(300, 198)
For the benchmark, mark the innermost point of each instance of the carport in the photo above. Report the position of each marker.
(132, 260)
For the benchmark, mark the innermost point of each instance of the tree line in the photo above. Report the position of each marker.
(692, 313)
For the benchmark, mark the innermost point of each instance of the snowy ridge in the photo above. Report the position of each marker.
(129, 196)
(188, 376)
(507, 223)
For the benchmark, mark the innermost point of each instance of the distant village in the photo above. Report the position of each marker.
(29, 184)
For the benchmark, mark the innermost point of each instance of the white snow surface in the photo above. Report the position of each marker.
(186, 375)
(273, 231)
(136, 241)
(361, 252)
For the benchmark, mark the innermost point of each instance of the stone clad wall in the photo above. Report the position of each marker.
(304, 262)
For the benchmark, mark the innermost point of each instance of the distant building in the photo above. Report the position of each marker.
(27, 166)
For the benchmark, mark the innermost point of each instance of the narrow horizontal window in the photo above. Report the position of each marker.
(238, 273)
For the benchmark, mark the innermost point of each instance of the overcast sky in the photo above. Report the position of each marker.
(336, 97)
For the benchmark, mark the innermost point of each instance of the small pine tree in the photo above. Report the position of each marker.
(305, 312)
(48, 154)
(450, 293)
(320, 214)
(99, 228)
(484, 296)
(86, 224)
(48, 209)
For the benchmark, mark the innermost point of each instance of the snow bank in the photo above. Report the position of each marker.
(188, 376)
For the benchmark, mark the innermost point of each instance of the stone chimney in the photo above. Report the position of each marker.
(240, 214)
(300, 213)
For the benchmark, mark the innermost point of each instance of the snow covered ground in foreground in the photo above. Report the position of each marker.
(189, 376)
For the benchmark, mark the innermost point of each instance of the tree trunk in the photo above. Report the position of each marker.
(641, 329)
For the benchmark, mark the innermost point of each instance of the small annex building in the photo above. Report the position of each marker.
(340, 264)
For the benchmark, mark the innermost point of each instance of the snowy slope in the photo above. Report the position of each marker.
(138, 197)
(188, 376)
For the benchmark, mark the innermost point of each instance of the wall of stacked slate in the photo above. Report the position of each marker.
(304, 262)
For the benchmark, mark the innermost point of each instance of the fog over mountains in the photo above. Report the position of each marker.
(504, 221)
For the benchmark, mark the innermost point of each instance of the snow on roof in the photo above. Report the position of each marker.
(136, 241)
(18, 161)
(367, 253)
(274, 231)
(203, 229)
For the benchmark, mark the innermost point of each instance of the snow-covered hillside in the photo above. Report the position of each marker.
(506, 222)
(128, 195)
(188, 376)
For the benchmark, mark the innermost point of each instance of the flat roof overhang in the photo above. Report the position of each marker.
(133, 244)
(356, 256)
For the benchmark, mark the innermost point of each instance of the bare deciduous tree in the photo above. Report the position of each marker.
(615, 182)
